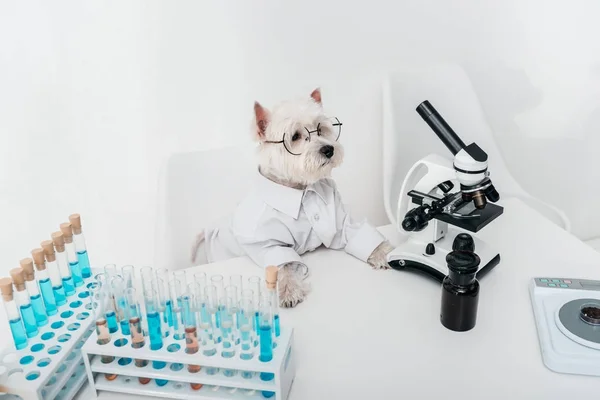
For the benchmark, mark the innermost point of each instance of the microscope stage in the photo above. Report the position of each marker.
(487, 215)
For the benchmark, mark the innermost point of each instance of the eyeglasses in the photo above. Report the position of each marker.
(294, 143)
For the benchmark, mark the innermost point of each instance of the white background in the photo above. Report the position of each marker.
(94, 96)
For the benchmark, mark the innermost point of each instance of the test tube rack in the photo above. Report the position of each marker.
(51, 366)
(173, 353)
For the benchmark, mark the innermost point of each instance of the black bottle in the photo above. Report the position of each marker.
(460, 291)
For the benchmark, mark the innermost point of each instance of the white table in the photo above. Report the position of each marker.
(364, 334)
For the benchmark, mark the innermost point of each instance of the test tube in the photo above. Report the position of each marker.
(207, 337)
(228, 307)
(166, 306)
(44, 281)
(266, 334)
(234, 296)
(128, 274)
(118, 287)
(175, 292)
(148, 284)
(246, 317)
(99, 304)
(110, 270)
(254, 285)
(134, 316)
(191, 337)
(271, 289)
(266, 339)
(154, 323)
(236, 282)
(80, 247)
(109, 308)
(54, 272)
(151, 299)
(60, 258)
(67, 231)
(181, 276)
(200, 280)
(21, 297)
(39, 310)
(212, 308)
(14, 318)
(217, 282)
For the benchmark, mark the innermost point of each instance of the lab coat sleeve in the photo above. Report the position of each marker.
(358, 238)
(271, 244)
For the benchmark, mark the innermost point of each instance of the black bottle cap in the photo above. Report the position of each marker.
(463, 242)
(430, 249)
(463, 262)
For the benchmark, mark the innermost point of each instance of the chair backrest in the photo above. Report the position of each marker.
(197, 188)
(407, 138)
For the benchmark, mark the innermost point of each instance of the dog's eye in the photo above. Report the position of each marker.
(296, 136)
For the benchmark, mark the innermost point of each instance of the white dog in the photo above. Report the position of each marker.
(295, 206)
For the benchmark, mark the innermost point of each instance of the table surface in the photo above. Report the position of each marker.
(376, 334)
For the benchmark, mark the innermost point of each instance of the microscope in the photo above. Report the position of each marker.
(452, 198)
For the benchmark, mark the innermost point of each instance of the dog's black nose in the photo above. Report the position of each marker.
(327, 151)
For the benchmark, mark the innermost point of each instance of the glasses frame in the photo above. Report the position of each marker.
(318, 130)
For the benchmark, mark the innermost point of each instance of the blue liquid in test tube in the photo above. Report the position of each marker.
(48, 296)
(111, 319)
(59, 295)
(266, 338)
(29, 322)
(80, 248)
(18, 333)
(39, 310)
(33, 292)
(276, 324)
(68, 286)
(77, 275)
(84, 264)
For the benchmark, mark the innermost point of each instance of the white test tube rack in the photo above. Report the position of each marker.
(51, 366)
(216, 386)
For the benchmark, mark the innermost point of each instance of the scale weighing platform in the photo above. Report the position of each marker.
(567, 316)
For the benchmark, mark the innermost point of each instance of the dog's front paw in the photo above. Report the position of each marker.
(378, 258)
(292, 289)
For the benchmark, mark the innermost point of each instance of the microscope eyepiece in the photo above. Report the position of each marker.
(440, 127)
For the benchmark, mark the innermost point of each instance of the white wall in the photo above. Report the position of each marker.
(95, 95)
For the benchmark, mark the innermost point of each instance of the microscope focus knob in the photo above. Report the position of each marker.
(430, 249)
(463, 242)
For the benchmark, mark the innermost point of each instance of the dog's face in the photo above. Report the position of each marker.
(298, 142)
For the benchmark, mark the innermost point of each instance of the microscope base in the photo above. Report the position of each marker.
(411, 256)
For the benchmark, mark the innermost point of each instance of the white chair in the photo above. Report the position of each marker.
(407, 138)
(195, 189)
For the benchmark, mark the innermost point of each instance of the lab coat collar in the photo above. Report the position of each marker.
(286, 199)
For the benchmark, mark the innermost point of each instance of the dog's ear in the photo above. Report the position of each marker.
(316, 95)
(261, 118)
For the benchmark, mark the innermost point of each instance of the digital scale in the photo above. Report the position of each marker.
(567, 316)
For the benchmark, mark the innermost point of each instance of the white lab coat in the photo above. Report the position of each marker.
(276, 224)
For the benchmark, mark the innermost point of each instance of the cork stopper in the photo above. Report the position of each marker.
(75, 220)
(67, 231)
(18, 278)
(6, 288)
(271, 277)
(59, 241)
(27, 266)
(48, 248)
(38, 259)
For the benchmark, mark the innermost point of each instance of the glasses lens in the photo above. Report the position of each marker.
(336, 128)
(294, 143)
